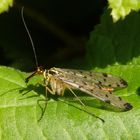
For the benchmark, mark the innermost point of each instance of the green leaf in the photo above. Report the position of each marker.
(121, 8)
(20, 113)
(112, 43)
(5, 4)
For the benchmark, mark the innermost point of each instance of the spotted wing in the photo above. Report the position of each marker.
(77, 80)
(104, 79)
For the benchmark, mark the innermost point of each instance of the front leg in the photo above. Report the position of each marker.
(46, 83)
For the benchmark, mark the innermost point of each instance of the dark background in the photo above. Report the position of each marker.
(60, 30)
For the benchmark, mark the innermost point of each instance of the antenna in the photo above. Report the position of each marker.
(27, 30)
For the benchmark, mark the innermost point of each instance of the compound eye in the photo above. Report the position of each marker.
(40, 69)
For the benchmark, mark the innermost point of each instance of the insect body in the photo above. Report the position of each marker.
(99, 85)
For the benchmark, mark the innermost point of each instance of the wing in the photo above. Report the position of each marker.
(93, 88)
(104, 79)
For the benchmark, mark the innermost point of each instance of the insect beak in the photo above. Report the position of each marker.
(30, 76)
(38, 71)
